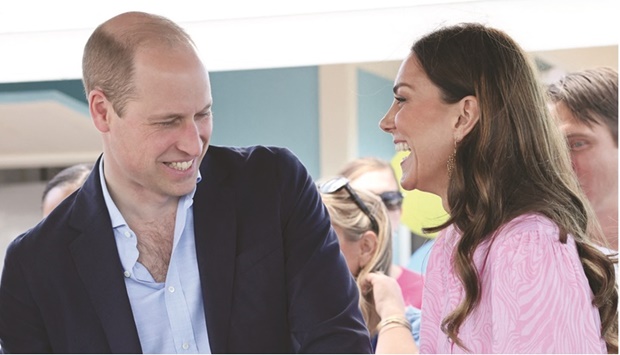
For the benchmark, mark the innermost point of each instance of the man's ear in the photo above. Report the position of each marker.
(368, 247)
(469, 116)
(100, 110)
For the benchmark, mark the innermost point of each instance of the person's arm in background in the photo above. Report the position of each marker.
(394, 337)
(324, 312)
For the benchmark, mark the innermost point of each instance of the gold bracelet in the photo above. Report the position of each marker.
(400, 320)
(390, 326)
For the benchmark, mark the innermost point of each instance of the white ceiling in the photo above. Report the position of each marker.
(43, 40)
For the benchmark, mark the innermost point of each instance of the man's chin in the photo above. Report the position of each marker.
(181, 189)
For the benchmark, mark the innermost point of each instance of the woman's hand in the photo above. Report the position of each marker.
(387, 295)
(394, 337)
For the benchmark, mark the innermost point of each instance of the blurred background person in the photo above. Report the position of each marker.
(62, 185)
(361, 222)
(586, 105)
(377, 176)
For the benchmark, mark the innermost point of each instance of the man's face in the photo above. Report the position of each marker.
(594, 154)
(157, 146)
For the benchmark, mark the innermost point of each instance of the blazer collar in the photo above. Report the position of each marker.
(215, 233)
(98, 264)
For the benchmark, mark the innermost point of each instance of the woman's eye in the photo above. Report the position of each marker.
(399, 99)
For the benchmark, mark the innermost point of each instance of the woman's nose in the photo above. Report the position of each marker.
(387, 122)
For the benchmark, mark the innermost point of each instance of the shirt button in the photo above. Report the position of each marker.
(127, 234)
(185, 346)
(127, 273)
(171, 289)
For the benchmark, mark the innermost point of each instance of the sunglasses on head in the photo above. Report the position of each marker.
(393, 200)
(339, 183)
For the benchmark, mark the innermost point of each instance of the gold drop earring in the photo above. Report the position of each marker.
(451, 164)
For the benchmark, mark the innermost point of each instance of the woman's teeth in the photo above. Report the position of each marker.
(182, 165)
(402, 147)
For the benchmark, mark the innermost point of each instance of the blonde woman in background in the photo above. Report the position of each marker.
(362, 224)
(377, 176)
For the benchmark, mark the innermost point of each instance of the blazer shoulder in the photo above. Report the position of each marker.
(242, 159)
(250, 153)
(60, 228)
(44, 237)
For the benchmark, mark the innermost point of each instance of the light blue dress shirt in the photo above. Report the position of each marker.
(414, 316)
(169, 316)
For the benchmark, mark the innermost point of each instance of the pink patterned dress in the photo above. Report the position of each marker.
(535, 297)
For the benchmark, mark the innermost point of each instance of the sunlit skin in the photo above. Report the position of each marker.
(168, 122)
(594, 154)
(419, 118)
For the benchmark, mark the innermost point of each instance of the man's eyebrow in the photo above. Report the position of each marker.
(163, 116)
(207, 108)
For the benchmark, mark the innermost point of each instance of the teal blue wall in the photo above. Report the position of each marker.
(269, 107)
(274, 107)
(374, 99)
(72, 88)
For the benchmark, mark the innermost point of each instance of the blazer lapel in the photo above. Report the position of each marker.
(98, 264)
(215, 232)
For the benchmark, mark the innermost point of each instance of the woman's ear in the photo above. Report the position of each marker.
(100, 108)
(469, 116)
(368, 247)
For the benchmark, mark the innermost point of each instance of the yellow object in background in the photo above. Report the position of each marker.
(420, 209)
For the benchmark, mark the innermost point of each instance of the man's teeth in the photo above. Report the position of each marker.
(182, 165)
(402, 147)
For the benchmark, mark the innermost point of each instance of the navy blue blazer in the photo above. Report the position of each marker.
(273, 279)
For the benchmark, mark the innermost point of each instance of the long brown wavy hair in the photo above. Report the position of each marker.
(514, 161)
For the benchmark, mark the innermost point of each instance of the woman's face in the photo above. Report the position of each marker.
(422, 123)
(378, 182)
(351, 250)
